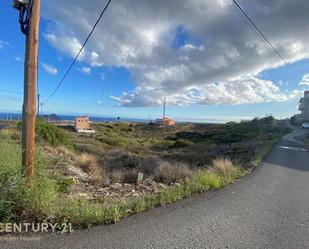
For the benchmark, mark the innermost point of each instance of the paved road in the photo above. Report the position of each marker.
(268, 209)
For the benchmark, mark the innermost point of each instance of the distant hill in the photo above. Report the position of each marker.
(51, 117)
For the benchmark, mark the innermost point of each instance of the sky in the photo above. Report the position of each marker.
(201, 55)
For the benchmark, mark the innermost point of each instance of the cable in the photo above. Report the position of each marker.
(265, 38)
(79, 52)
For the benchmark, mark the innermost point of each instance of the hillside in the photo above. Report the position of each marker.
(126, 167)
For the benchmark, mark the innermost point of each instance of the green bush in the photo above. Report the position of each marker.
(65, 184)
(181, 143)
(5, 210)
(50, 133)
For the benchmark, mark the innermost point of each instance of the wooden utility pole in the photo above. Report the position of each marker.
(30, 89)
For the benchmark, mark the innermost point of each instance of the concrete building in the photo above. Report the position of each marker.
(82, 125)
(165, 121)
(303, 108)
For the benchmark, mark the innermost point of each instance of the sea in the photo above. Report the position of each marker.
(18, 116)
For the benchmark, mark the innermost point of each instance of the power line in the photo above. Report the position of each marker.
(79, 52)
(265, 38)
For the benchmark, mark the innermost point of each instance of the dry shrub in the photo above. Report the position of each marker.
(66, 152)
(149, 164)
(88, 163)
(7, 132)
(123, 176)
(118, 159)
(169, 173)
(116, 176)
(224, 166)
(49, 149)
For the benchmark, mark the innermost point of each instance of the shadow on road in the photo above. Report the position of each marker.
(290, 152)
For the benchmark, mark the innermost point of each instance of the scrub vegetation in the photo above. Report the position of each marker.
(174, 163)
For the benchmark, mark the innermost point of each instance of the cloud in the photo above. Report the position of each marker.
(18, 58)
(102, 76)
(49, 69)
(85, 70)
(218, 57)
(244, 90)
(305, 80)
(4, 44)
(99, 102)
(215, 119)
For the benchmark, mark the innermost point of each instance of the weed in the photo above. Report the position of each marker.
(171, 172)
(88, 163)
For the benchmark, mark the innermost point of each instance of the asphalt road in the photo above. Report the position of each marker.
(268, 209)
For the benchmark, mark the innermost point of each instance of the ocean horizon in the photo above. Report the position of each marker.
(18, 116)
(70, 117)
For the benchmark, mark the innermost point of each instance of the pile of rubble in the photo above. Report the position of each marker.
(117, 190)
(82, 186)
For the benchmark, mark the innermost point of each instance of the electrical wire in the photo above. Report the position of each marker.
(258, 30)
(79, 52)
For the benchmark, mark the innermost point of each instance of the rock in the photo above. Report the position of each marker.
(140, 177)
(102, 189)
(77, 173)
(161, 185)
(85, 195)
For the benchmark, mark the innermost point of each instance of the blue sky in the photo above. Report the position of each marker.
(134, 86)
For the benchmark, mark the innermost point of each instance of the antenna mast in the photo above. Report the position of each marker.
(164, 105)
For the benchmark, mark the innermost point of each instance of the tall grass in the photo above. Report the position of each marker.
(16, 197)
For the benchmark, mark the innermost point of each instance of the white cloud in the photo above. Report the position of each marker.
(85, 70)
(99, 102)
(49, 69)
(305, 80)
(102, 76)
(244, 90)
(18, 58)
(219, 58)
(4, 44)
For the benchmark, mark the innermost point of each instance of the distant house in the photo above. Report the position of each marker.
(166, 121)
(82, 125)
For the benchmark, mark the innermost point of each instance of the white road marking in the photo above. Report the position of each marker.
(292, 148)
